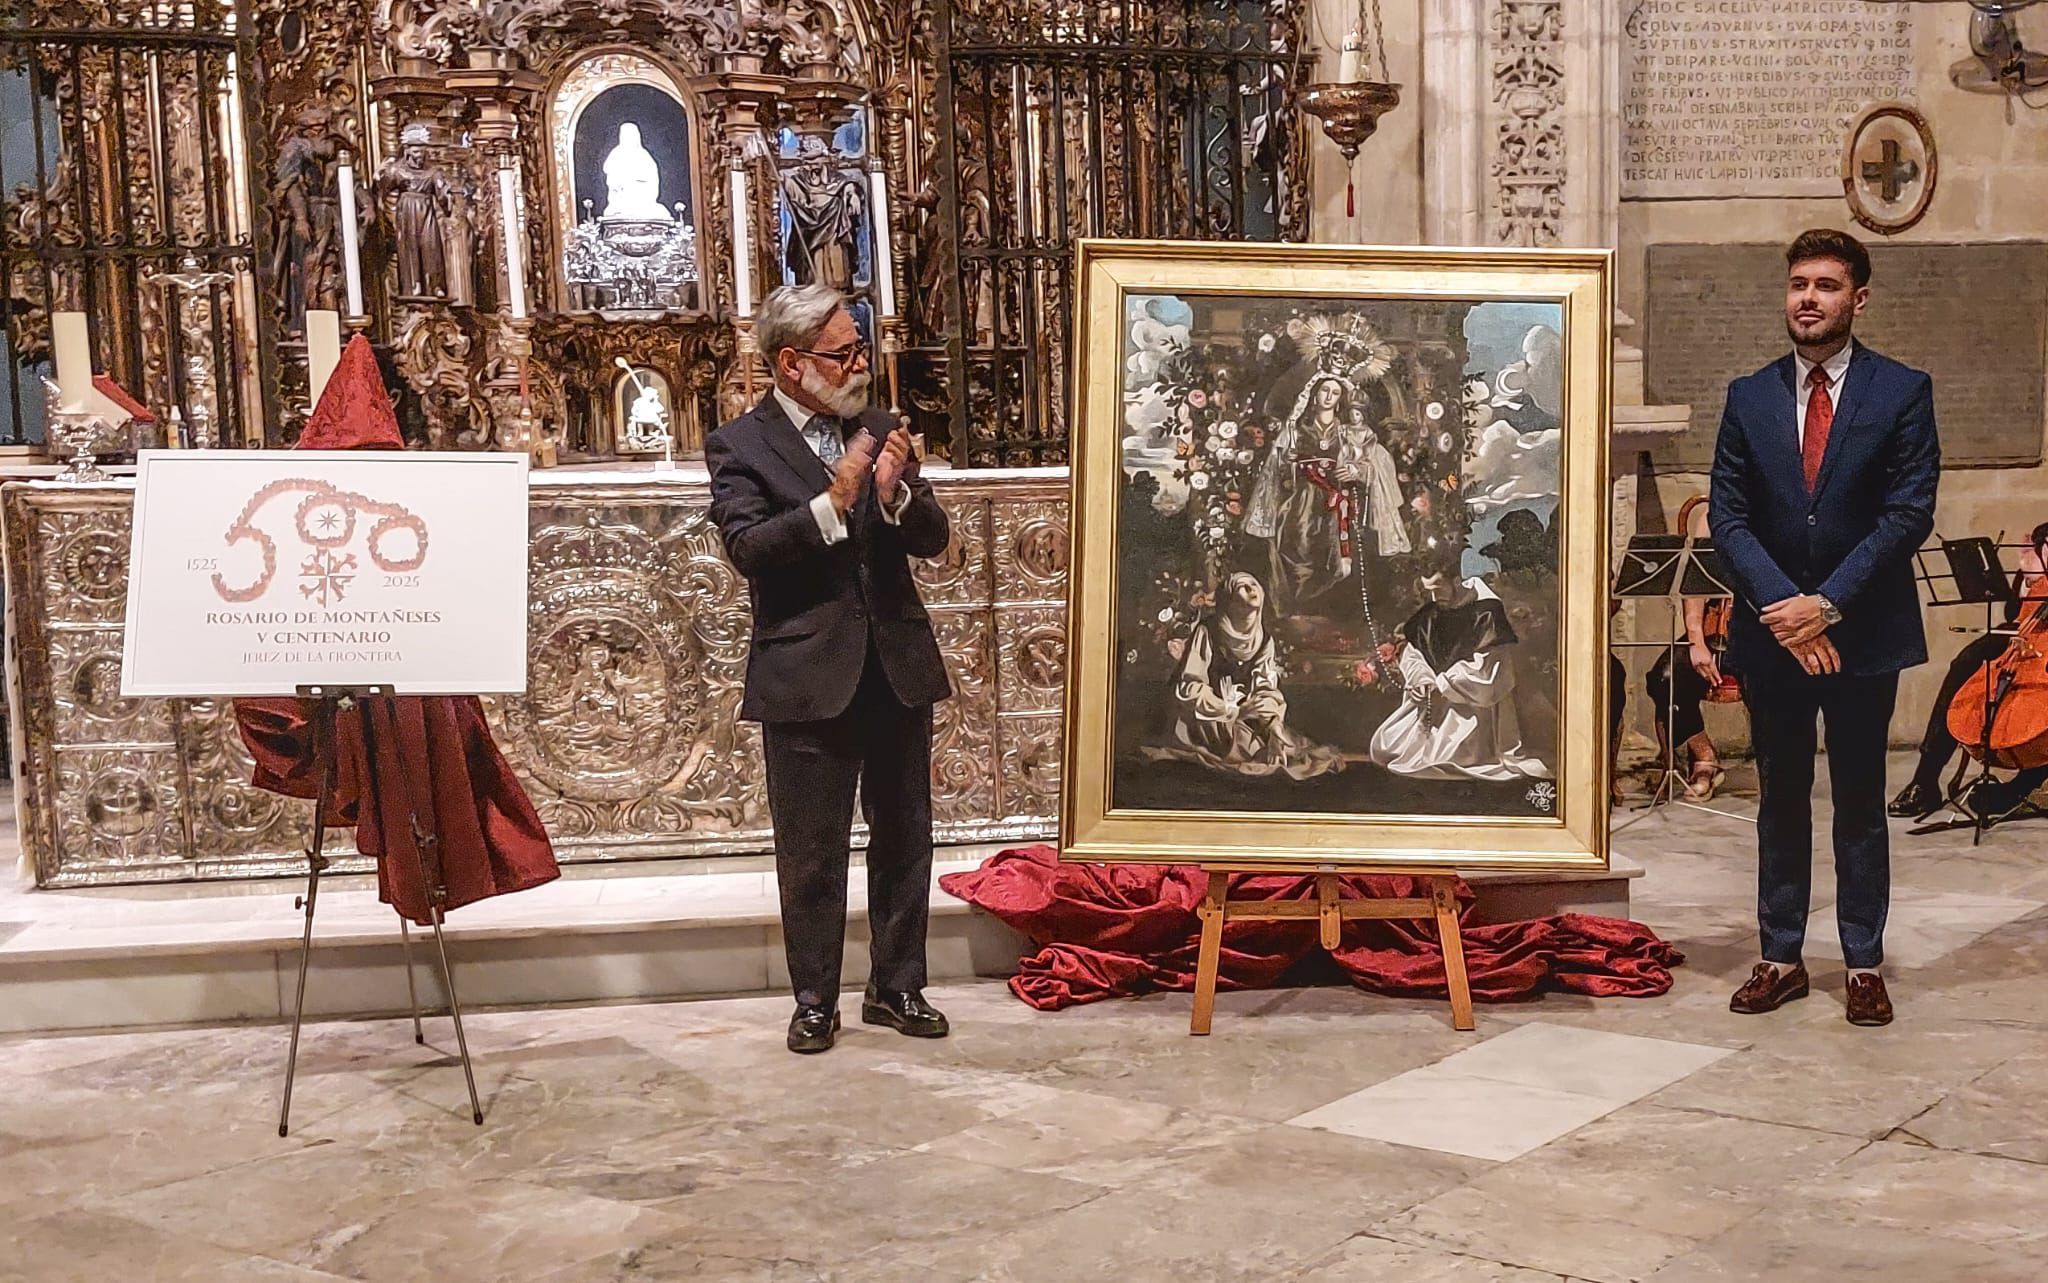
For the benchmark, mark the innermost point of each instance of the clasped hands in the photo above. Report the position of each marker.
(892, 461)
(1800, 627)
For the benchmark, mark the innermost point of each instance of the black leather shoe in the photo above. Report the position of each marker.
(812, 1030)
(1914, 801)
(906, 1012)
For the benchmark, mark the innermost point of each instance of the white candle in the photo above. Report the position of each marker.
(73, 351)
(351, 252)
(885, 263)
(323, 349)
(515, 236)
(742, 248)
(1350, 63)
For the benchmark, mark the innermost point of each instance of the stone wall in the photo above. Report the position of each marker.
(1389, 169)
(1993, 185)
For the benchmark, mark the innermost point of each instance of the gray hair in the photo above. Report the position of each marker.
(792, 317)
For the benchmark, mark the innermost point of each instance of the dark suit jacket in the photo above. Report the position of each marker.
(1851, 540)
(816, 607)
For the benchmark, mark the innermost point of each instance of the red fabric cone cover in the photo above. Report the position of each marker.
(434, 762)
(355, 411)
(1108, 931)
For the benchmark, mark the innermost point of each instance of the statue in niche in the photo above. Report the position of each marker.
(458, 242)
(643, 402)
(632, 181)
(824, 207)
(416, 190)
(305, 210)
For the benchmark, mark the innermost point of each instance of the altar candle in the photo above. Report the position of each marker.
(742, 249)
(515, 236)
(351, 252)
(1350, 63)
(323, 349)
(74, 358)
(885, 262)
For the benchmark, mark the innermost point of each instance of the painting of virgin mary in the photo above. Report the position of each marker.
(1326, 481)
(1303, 619)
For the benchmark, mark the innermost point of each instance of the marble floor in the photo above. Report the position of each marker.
(1317, 1136)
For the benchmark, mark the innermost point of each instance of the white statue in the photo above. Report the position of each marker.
(647, 420)
(632, 181)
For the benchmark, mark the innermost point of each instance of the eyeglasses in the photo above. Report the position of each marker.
(843, 357)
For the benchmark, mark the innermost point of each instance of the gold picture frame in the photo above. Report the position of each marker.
(1380, 332)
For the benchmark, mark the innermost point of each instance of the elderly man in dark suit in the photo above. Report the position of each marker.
(1823, 487)
(821, 507)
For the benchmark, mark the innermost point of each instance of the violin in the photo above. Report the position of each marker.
(1714, 626)
(2001, 713)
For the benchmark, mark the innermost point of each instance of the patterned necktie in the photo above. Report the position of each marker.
(1820, 416)
(827, 441)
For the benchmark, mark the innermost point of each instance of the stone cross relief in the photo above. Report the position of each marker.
(1891, 172)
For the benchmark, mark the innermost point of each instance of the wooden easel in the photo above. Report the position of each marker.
(1333, 912)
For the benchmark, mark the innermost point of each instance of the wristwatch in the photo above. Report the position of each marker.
(1828, 610)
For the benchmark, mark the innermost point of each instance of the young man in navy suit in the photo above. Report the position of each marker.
(1823, 487)
(818, 498)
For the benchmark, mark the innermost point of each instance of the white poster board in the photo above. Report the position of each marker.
(254, 572)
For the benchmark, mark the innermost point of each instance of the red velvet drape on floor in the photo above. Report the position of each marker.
(1106, 931)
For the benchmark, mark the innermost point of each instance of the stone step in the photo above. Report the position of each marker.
(126, 957)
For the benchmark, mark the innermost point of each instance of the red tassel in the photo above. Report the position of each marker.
(1350, 198)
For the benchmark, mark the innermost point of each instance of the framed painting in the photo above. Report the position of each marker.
(1339, 591)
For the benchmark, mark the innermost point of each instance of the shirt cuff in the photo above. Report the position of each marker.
(830, 523)
(892, 511)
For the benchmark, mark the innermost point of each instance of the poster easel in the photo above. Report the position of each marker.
(328, 703)
(1331, 912)
(338, 578)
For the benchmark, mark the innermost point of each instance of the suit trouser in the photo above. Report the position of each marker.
(1856, 712)
(884, 748)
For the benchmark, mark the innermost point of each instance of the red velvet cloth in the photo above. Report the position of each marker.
(433, 759)
(1106, 931)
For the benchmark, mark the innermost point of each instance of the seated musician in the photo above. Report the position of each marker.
(1675, 696)
(1993, 799)
(1699, 678)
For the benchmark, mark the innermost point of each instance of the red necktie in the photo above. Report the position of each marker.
(1820, 416)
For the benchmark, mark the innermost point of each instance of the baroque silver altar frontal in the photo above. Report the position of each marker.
(627, 735)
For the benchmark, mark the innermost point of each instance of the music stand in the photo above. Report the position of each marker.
(1975, 574)
(1675, 568)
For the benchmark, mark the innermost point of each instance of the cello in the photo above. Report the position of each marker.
(2000, 715)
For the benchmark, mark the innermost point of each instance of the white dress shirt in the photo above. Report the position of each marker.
(1837, 367)
(823, 510)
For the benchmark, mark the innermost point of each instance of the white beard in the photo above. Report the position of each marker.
(846, 400)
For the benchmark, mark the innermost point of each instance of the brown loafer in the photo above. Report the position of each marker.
(1768, 989)
(1869, 1004)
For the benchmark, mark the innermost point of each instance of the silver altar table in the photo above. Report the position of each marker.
(626, 736)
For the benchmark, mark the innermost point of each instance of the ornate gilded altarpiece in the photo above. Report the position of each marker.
(627, 737)
(966, 142)
(957, 148)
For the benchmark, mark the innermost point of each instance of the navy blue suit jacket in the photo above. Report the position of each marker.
(1852, 539)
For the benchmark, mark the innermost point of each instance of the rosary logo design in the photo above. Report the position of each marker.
(326, 521)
